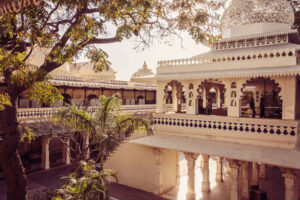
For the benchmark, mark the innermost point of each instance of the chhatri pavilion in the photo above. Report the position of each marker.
(241, 112)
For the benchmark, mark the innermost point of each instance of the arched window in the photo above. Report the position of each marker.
(233, 85)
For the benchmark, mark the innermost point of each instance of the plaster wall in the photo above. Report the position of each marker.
(150, 96)
(257, 28)
(108, 93)
(128, 94)
(169, 162)
(288, 96)
(135, 166)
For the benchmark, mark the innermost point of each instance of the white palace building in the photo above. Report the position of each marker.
(237, 106)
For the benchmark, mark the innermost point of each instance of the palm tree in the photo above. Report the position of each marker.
(97, 131)
(90, 184)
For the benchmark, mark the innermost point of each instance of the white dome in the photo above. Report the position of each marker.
(245, 12)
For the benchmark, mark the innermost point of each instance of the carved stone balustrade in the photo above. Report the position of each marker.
(33, 113)
(268, 132)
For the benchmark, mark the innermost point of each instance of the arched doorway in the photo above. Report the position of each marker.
(174, 91)
(210, 98)
(260, 98)
(92, 100)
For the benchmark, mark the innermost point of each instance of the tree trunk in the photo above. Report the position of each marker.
(9, 155)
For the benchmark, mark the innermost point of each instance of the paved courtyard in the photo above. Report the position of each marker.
(39, 182)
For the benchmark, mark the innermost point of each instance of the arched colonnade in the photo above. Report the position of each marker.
(262, 97)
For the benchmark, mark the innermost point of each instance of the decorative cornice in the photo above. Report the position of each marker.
(239, 73)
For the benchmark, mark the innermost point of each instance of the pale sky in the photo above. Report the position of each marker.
(126, 60)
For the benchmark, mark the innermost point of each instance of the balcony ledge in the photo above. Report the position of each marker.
(246, 152)
(256, 131)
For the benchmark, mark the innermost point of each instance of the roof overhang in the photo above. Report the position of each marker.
(9, 6)
(251, 153)
(237, 73)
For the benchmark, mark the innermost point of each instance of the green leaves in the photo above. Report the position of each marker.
(4, 101)
(106, 129)
(76, 119)
(28, 135)
(86, 184)
(99, 58)
(44, 92)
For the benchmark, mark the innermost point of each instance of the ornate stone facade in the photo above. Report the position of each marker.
(243, 12)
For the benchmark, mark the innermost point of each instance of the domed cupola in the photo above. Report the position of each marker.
(248, 17)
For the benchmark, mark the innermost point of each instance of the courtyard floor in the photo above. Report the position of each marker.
(41, 181)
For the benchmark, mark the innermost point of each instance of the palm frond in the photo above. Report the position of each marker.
(77, 119)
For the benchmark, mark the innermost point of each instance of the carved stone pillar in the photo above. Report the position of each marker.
(66, 153)
(174, 99)
(234, 175)
(205, 174)
(219, 175)
(254, 180)
(262, 171)
(160, 98)
(245, 180)
(158, 179)
(45, 164)
(191, 163)
(289, 181)
(228, 169)
(218, 98)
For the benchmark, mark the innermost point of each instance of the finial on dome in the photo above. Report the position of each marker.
(145, 65)
(245, 12)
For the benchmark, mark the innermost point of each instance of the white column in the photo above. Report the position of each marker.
(254, 180)
(234, 175)
(158, 179)
(218, 98)
(245, 180)
(174, 99)
(205, 174)
(191, 163)
(66, 153)
(262, 171)
(228, 169)
(288, 94)
(219, 175)
(204, 98)
(289, 181)
(160, 100)
(45, 164)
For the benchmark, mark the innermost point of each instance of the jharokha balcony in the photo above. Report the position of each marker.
(255, 111)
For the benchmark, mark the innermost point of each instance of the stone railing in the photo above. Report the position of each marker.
(269, 132)
(31, 113)
(67, 78)
(250, 56)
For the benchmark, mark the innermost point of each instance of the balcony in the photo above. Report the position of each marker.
(256, 131)
(33, 113)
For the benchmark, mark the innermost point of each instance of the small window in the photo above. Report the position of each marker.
(233, 85)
